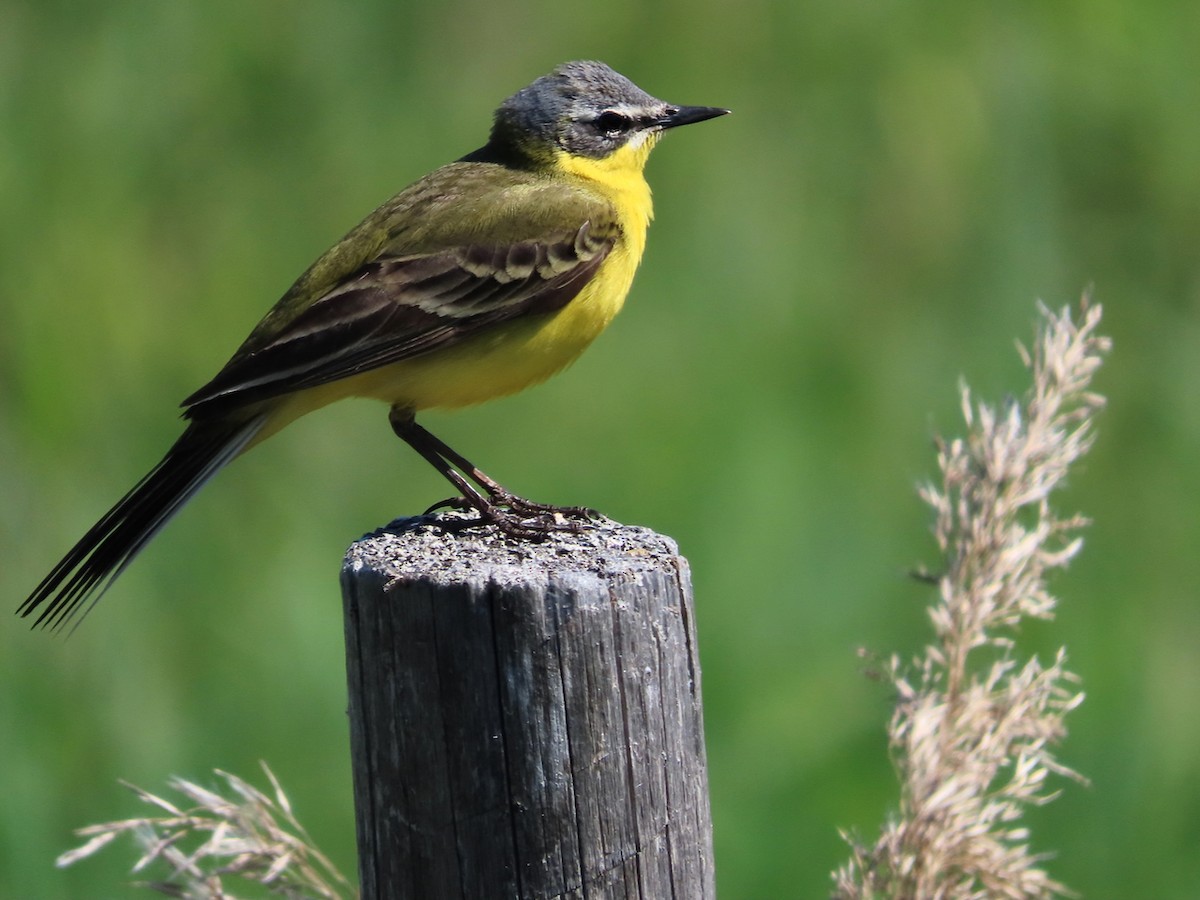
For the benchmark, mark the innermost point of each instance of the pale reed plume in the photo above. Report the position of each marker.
(975, 719)
(213, 839)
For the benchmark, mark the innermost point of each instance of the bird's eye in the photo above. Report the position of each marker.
(613, 123)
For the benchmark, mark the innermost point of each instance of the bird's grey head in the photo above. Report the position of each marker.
(586, 109)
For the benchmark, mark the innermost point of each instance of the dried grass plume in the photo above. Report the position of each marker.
(235, 837)
(974, 722)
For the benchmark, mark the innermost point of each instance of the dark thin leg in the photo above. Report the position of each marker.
(496, 504)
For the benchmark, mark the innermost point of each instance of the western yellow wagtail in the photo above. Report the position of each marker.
(484, 277)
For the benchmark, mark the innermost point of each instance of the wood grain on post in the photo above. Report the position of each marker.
(525, 718)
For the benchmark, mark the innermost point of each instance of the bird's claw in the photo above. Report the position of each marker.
(517, 517)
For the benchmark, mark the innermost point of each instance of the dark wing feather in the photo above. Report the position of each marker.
(397, 307)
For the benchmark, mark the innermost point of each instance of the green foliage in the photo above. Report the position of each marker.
(897, 185)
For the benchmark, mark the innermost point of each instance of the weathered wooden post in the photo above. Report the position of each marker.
(525, 717)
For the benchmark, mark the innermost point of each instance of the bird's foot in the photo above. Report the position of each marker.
(517, 517)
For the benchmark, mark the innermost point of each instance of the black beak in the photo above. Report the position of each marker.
(686, 115)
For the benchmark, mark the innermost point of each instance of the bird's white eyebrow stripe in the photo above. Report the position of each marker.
(632, 110)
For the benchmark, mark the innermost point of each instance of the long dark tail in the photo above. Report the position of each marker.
(83, 575)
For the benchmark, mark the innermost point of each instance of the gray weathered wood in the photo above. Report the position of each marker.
(525, 718)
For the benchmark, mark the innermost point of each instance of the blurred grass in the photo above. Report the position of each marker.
(896, 186)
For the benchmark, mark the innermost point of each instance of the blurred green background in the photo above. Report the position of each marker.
(899, 182)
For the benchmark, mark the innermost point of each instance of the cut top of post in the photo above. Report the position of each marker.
(419, 546)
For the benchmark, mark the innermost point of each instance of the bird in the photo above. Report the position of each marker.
(486, 276)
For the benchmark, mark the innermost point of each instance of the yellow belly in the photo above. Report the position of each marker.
(501, 361)
(509, 358)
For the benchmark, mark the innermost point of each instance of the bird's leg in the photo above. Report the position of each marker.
(500, 507)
